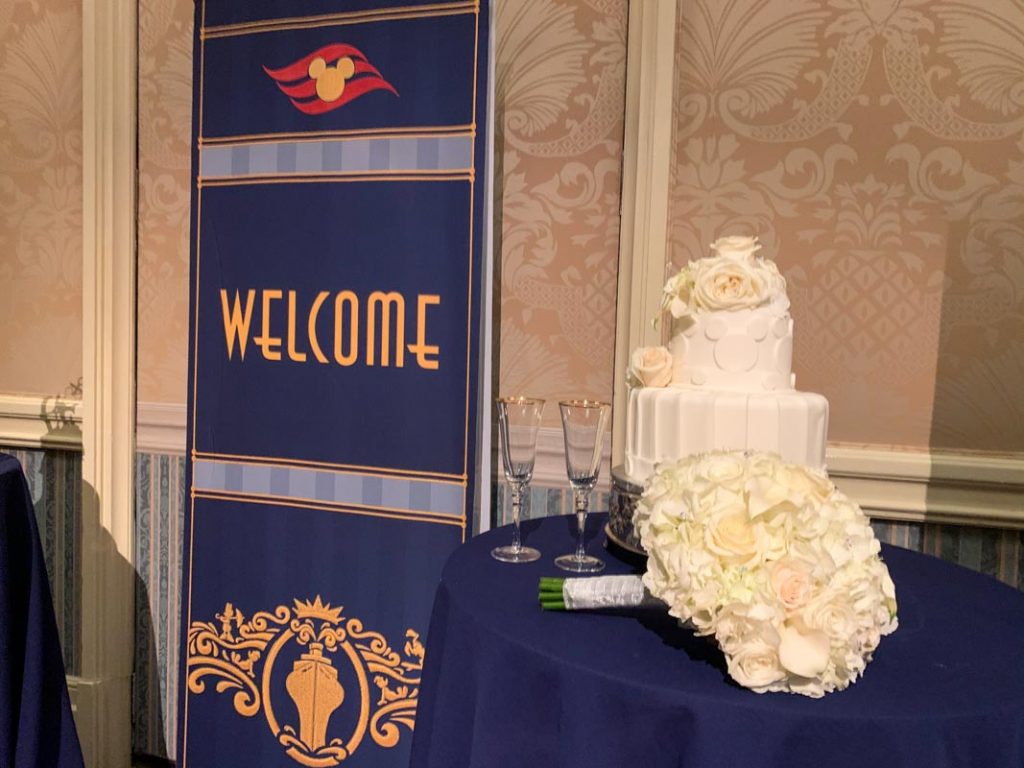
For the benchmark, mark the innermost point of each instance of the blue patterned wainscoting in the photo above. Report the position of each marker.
(55, 482)
(996, 552)
(159, 514)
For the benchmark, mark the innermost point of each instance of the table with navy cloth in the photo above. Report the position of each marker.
(36, 725)
(507, 684)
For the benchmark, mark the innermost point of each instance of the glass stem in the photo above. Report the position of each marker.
(517, 504)
(580, 497)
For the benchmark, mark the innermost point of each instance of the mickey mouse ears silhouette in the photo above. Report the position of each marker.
(328, 78)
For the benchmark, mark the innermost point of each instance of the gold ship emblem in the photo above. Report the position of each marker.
(241, 655)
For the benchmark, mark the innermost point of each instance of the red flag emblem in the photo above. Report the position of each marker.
(328, 78)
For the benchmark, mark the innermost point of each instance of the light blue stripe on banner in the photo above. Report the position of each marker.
(429, 153)
(413, 495)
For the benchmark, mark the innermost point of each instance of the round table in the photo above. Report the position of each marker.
(507, 684)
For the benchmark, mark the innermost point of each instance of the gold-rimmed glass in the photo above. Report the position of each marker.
(583, 426)
(518, 423)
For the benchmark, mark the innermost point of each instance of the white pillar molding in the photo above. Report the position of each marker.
(647, 149)
(102, 692)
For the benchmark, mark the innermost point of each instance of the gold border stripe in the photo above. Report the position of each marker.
(341, 19)
(234, 181)
(416, 517)
(286, 462)
(469, 305)
(414, 131)
(462, 173)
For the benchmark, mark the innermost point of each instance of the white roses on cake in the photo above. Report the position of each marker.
(733, 278)
(650, 367)
(774, 562)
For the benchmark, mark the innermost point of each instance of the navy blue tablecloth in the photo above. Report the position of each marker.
(506, 684)
(36, 727)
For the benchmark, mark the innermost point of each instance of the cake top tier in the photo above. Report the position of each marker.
(734, 277)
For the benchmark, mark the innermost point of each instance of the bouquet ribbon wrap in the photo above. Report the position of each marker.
(595, 593)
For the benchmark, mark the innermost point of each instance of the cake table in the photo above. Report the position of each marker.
(507, 684)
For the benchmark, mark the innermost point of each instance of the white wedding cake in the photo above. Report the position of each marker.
(725, 380)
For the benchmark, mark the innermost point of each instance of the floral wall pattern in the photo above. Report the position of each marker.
(165, 135)
(560, 89)
(40, 195)
(877, 149)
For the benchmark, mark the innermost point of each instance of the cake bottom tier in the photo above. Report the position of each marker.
(667, 424)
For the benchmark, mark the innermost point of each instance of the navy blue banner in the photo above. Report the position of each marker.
(337, 233)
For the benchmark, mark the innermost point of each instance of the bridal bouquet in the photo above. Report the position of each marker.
(770, 559)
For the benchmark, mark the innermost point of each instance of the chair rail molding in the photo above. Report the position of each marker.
(37, 421)
(161, 428)
(102, 694)
(890, 483)
(947, 488)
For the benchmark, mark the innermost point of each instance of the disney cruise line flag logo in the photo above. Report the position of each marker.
(328, 78)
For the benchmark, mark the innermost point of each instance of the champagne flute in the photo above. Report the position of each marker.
(518, 422)
(583, 425)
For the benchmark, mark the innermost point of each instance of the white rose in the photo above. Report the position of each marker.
(755, 664)
(724, 467)
(768, 496)
(737, 247)
(731, 536)
(791, 581)
(651, 366)
(723, 284)
(743, 621)
(832, 614)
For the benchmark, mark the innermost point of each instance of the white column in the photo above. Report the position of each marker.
(647, 153)
(102, 692)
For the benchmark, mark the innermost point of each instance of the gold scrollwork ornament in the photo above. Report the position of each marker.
(240, 655)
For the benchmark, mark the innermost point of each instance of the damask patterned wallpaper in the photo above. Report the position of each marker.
(877, 149)
(165, 135)
(40, 195)
(560, 89)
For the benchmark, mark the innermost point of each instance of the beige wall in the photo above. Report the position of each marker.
(165, 134)
(40, 196)
(559, 120)
(877, 148)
